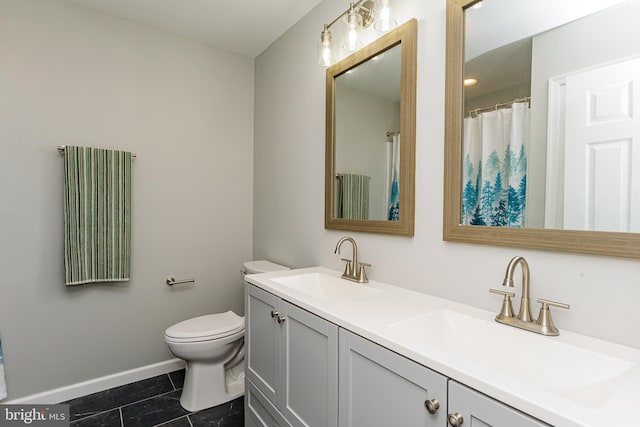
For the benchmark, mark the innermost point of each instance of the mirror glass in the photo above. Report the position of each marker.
(367, 139)
(542, 124)
(370, 147)
(549, 128)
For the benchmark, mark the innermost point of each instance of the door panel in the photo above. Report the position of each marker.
(310, 346)
(259, 412)
(379, 388)
(263, 341)
(478, 410)
(602, 148)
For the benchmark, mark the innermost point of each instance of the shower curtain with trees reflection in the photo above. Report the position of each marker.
(495, 167)
(393, 184)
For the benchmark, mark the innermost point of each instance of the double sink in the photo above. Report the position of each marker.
(544, 374)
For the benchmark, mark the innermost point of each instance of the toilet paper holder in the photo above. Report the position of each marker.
(173, 281)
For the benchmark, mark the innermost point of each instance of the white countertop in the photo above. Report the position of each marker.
(494, 363)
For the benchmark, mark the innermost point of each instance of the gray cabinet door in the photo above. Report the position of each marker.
(381, 388)
(259, 411)
(291, 360)
(478, 410)
(310, 365)
(262, 343)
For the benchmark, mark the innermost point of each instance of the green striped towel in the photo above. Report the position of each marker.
(354, 196)
(97, 215)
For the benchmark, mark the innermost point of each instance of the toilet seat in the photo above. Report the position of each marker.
(206, 328)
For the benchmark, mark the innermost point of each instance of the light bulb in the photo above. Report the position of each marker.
(352, 42)
(385, 20)
(326, 57)
(325, 54)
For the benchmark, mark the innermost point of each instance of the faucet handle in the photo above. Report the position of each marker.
(544, 318)
(546, 303)
(507, 308)
(505, 293)
(362, 276)
(348, 268)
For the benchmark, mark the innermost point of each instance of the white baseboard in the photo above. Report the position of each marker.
(73, 391)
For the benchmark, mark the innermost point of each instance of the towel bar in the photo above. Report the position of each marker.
(62, 147)
(172, 281)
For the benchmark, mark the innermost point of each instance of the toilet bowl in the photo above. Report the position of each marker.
(213, 348)
(208, 343)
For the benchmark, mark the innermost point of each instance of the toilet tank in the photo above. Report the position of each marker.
(261, 266)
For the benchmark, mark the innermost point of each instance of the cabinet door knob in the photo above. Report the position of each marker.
(281, 319)
(274, 313)
(455, 420)
(432, 405)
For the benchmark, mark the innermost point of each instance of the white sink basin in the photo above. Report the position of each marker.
(580, 374)
(325, 287)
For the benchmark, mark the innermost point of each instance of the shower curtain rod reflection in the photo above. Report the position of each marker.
(390, 135)
(340, 175)
(61, 149)
(476, 111)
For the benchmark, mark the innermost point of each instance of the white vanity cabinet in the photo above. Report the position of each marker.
(469, 408)
(380, 388)
(291, 361)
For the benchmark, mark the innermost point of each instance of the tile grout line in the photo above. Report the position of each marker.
(172, 420)
(172, 383)
(122, 406)
(93, 414)
(153, 397)
(119, 408)
(148, 398)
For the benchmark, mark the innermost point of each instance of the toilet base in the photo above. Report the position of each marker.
(210, 384)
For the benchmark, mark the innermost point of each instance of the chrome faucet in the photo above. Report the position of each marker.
(353, 269)
(544, 324)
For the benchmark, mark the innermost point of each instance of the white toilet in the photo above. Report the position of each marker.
(213, 348)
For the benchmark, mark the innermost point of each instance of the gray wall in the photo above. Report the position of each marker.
(288, 220)
(69, 75)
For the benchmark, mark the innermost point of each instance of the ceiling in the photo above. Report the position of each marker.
(500, 22)
(498, 39)
(379, 76)
(245, 27)
(501, 68)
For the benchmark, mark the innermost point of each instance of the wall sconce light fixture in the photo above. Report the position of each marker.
(360, 15)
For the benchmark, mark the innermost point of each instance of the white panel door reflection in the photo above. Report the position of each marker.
(602, 151)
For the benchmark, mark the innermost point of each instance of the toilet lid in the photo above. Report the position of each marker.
(209, 327)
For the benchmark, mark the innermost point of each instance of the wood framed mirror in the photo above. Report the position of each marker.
(370, 136)
(548, 225)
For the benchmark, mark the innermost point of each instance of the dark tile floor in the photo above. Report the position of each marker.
(150, 402)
